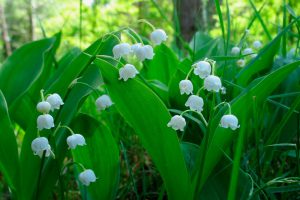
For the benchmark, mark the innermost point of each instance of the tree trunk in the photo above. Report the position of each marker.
(194, 15)
(4, 34)
(30, 20)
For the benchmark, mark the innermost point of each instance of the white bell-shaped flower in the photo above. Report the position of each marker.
(195, 103)
(142, 52)
(202, 69)
(235, 50)
(177, 122)
(45, 121)
(103, 102)
(241, 63)
(253, 55)
(128, 71)
(148, 51)
(247, 51)
(257, 44)
(186, 87)
(121, 50)
(229, 121)
(87, 176)
(39, 145)
(158, 36)
(43, 107)
(55, 101)
(212, 83)
(74, 140)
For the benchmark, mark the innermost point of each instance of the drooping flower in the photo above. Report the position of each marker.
(74, 140)
(241, 63)
(195, 103)
(103, 102)
(55, 101)
(202, 69)
(45, 121)
(186, 87)
(253, 55)
(128, 71)
(148, 50)
(177, 122)
(121, 50)
(39, 145)
(87, 176)
(158, 36)
(43, 107)
(257, 44)
(247, 51)
(235, 50)
(142, 52)
(229, 121)
(212, 83)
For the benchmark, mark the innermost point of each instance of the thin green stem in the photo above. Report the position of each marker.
(199, 90)
(42, 94)
(129, 170)
(189, 73)
(110, 57)
(199, 113)
(71, 131)
(87, 85)
(146, 22)
(229, 107)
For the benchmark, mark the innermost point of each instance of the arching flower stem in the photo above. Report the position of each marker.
(199, 113)
(228, 104)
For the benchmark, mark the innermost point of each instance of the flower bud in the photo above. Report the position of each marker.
(247, 51)
(39, 145)
(103, 102)
(87, 176)
(128, 71)
(158, 36)
(177, 122)
(43, 107)
(186, 87)
(148, 51)
(121, 50)
(241, 63)
(45, 121)
(235, 50)
(55, 101)
(257, 44)
(195, 103)
(74, 140)
(202, 69)
(229, 121)
(212, 83)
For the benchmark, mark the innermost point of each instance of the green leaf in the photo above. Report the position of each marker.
(25, 65)
(162, 66)
(9, 159)
(147, 114)
(101, 154)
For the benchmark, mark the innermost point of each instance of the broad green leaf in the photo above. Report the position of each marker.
(162, 66)
(9, 158)
(24, 65)
(147, 114)
(101, 154)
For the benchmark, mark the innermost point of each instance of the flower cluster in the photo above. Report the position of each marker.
(40, 145)
(139, 51)
(236, 51)
(212, 83)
